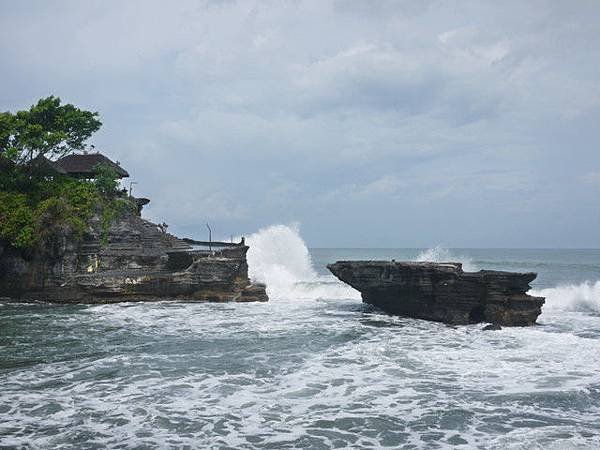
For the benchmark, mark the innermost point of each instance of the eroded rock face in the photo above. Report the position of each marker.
(136, 261)
(443, 292)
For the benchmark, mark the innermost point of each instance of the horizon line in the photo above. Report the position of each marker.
(454, 248)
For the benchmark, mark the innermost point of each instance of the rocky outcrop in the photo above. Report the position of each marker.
(131, 261)
(443, 292)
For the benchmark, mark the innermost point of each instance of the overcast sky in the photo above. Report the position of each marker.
(368, 123)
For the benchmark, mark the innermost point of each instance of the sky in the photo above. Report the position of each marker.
(366, 123)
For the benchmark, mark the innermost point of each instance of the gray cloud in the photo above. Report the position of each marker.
(423, 122)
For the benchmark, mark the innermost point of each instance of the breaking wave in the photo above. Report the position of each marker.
(279, 257)
(574, 297)
(440, 254)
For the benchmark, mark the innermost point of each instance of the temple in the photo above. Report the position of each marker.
(81, 165)
(85, 165)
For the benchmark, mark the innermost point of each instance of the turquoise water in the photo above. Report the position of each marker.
(313, 368)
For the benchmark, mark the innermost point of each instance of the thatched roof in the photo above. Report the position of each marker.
(42, 164)
(84, 165)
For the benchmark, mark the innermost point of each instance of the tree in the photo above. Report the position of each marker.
(106, 179)
(47, 128)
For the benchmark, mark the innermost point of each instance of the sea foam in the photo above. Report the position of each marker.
(583, 297)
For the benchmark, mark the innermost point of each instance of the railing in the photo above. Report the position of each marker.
(215, 243)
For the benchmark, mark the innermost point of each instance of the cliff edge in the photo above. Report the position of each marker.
(132, 259)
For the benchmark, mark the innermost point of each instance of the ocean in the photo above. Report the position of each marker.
(312, 368)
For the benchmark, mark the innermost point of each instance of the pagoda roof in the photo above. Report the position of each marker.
(84, 165)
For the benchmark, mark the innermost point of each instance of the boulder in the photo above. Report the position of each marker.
(443, 292)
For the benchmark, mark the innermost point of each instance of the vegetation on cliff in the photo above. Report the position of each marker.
(36, 203)
(47, 128)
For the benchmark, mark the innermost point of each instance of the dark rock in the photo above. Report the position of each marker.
(492, 327)
(443, 292)
(136, 261)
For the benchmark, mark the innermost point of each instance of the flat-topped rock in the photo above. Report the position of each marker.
(443, 292)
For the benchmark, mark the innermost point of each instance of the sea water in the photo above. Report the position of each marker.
(312, 368)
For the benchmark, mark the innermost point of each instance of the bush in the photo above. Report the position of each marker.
(38, 210)
(17, 225)
(56, 217)
(11, 177)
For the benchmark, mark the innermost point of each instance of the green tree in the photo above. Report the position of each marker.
(47, 128)
(106, 180)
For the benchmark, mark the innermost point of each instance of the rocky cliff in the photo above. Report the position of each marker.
(443, 291)
(132, 260)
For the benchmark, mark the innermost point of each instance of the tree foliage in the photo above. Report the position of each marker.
(33, 217)
(37, 210)
(16, 219)
(47, 128)
(106, 179)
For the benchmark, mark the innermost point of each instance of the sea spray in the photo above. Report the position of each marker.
(440, 254)
(583, 297)
(280, 258)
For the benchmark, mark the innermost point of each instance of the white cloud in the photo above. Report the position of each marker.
(592, 178)
(257, 112)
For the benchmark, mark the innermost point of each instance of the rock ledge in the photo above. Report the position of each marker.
(443, 292)
(137, 261)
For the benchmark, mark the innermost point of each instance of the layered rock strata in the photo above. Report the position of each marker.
(443, 292)
(134, 260)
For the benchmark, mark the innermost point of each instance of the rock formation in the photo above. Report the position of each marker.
(443, 292)
(131, 261)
